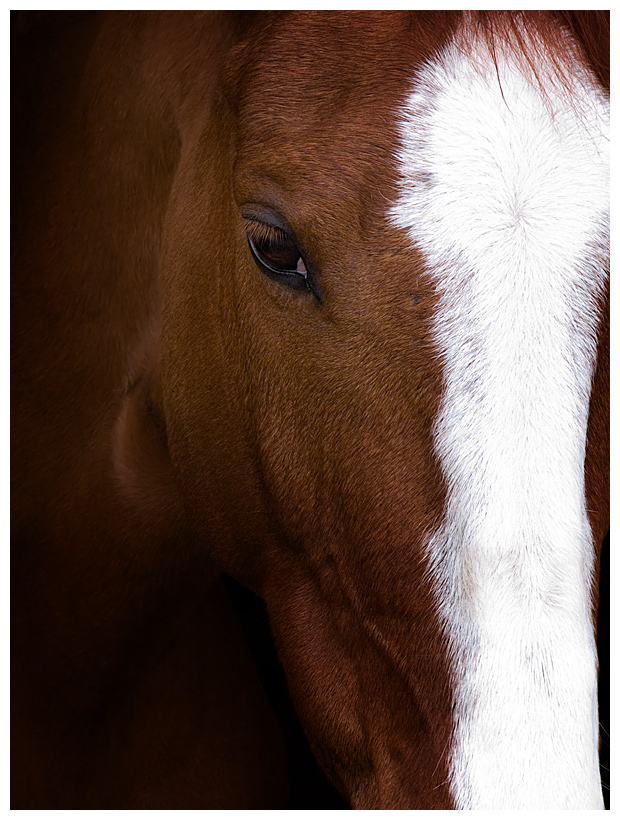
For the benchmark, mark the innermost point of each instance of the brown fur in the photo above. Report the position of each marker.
(177, 414)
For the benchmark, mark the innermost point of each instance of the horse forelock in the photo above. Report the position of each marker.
(555, 36)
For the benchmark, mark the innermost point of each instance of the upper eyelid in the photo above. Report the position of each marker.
(267, 216)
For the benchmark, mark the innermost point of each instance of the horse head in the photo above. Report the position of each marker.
(383, 273)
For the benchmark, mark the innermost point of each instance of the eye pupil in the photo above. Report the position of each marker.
(281, 254)
(277, 255)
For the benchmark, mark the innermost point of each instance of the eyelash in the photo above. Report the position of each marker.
(260, 232)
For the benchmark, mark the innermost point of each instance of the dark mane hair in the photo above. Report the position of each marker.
(589, 29)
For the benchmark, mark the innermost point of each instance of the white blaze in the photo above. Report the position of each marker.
(505, 192)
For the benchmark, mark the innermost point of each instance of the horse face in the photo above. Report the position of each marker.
(306, 369)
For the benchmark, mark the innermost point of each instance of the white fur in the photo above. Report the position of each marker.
(505, 192)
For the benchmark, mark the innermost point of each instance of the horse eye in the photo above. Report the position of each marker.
(277, 255)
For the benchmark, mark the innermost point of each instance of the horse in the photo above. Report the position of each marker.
(318, 300)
